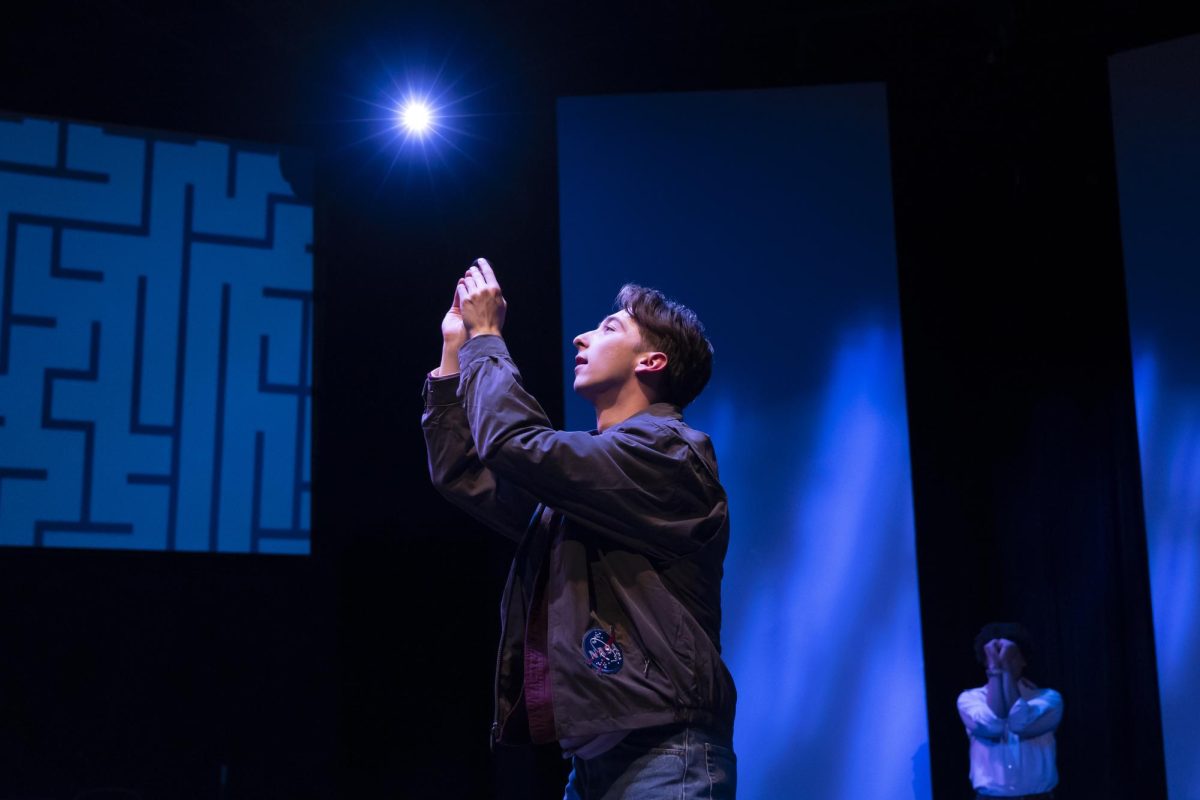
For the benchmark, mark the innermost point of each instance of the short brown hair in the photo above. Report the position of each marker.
(674, 329)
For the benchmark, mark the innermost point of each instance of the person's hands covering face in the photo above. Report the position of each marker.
(991, 652)
(1010, 658)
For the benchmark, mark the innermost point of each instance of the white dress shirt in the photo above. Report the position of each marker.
(1012, 756)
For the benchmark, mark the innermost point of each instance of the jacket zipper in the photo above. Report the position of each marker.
(495, 732)
(497, 728)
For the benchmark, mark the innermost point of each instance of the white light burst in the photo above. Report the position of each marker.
(416, 117)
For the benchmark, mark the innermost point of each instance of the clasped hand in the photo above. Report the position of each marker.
(479, 304)
(1001, 654)
(478, 308)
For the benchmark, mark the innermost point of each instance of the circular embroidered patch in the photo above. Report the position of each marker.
(602, 652)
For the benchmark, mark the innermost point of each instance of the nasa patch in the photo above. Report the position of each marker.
(602, 653)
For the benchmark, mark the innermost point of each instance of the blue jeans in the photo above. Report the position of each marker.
(673, 761)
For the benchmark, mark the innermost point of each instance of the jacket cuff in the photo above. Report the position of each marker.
(441, 391)
(479, 349)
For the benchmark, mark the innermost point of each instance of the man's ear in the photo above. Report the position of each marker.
(651, 361)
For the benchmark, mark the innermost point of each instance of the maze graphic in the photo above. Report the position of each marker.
(156, 325)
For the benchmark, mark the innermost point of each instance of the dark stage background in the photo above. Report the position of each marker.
(364, 669)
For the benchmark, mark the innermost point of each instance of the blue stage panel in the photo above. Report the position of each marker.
(770, 214)
(1156, 124)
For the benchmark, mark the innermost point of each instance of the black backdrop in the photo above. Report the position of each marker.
(364, 671)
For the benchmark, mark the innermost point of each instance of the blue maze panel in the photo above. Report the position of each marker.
(156, 317)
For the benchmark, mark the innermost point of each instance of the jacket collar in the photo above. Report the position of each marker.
(660, 410)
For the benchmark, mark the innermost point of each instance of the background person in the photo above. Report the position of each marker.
(1009, 720)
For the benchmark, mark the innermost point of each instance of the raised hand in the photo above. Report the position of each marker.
(454, 332)
(454, 336)
(481, 301)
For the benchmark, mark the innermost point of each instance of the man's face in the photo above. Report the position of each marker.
(607, 356)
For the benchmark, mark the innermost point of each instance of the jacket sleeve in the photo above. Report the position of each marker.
(639, 483)
(455, 468)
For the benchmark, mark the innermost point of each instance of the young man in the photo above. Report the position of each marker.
(611, 618)
(1009, 720)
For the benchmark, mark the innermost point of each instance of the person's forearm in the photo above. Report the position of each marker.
(1036, 715)
(1011, 692)
(995, 694)
(455, 469)
(449, 362)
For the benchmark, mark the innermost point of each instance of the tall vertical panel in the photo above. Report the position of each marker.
(769, 213)
(1156, 122)
(155, 342)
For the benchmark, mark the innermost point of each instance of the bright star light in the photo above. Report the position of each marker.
(416, 122)
(416, 116)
